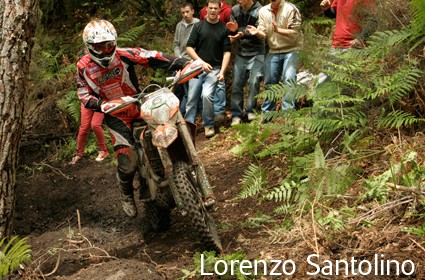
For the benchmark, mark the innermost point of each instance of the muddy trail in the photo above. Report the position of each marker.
(77, 229)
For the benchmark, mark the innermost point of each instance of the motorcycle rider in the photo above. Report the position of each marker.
(107, 73)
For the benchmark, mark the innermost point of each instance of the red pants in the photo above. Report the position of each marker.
(90, 120)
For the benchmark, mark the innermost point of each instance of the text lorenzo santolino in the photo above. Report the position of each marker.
(378, 266)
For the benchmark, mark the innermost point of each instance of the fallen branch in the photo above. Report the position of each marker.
(375, 212)
(419, 245)
(55, 170)
(54, 269)
(418, 191)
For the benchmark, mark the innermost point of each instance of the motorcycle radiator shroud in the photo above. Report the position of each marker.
(159, 110)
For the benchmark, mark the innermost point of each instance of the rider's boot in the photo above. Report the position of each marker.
(127, 197)
(127, 166)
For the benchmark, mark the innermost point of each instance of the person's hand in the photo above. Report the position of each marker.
(232, 26)
(251, 30)
(206, 67)
(220, 77)
(237, 36)
(325, 4)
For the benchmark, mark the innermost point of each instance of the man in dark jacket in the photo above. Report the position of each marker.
(250, 58)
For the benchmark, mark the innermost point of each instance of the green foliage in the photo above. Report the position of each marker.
(71, 104)
(13, 253)
(417, 26)
(398, 84)
(333, 220)
(288, 195)
(253, 181)
(251, 138)
(131, 36)
(398, 119)
(376, 188)
(257, 220)
(323, 177)
(418, 230)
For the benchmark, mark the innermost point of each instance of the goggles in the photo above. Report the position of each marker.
(103, 48)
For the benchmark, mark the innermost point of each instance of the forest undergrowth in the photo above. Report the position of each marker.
(342, 175)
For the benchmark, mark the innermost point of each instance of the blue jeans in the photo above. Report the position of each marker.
(204, 86)
(280, 67)
(220, 98)
(243, 65)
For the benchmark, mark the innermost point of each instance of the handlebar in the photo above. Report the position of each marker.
(121, 106)
(191, 70)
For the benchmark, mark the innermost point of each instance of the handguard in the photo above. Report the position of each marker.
(190, 71)
(117, 105)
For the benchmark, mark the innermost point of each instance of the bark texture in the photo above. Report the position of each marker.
(17, 29)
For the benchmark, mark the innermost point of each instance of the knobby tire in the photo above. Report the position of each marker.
(196, 211)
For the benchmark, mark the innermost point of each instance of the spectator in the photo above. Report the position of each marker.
(223, 16)
(209, 42)
(249, 58)
(220, 92)
(107, 73)
(183, 29)
(90, 120)
(355, 22)
(279, 24)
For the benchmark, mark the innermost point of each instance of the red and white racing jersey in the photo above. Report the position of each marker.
(96, 83)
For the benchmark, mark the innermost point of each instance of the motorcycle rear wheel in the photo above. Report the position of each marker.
(196, 210)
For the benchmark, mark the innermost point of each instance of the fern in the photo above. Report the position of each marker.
(71, 104)
(417, 27)
(131, 36)
(13, 254)
(257, 220)
(253, 181)
(251, 137)
(397, 85)
(384, 41)
(287, 193)
(397, 119)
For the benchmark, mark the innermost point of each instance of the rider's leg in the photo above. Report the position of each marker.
(127, 166)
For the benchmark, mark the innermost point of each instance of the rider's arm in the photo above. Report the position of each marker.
(152, 58)
(85, 93)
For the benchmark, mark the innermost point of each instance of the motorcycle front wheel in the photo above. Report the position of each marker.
(199, 217)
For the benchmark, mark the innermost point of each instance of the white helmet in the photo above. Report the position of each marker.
(100, 38)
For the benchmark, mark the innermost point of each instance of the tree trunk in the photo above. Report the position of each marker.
(17, 29)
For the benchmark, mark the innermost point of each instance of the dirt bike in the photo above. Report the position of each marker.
(168, 161)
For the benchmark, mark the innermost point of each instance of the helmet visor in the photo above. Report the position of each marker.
(102, 48)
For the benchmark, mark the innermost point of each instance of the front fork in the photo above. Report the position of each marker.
(203, 183)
